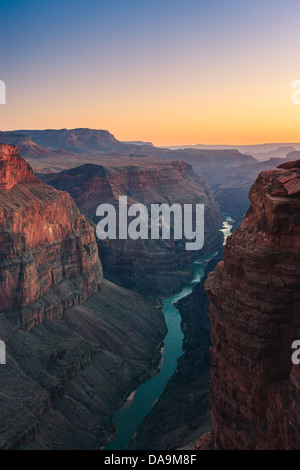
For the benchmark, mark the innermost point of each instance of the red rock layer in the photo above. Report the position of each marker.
(146, 182)
(49, 257)
(13, 169)
(255, 316)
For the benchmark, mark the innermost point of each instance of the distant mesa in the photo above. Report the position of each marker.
(137, 142)
(280, 152)
(34, 144)
(293, 155)
(261, 152)
(73, 140)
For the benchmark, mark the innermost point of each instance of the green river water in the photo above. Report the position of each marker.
(140, 403)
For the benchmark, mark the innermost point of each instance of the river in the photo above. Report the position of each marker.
(140, 403)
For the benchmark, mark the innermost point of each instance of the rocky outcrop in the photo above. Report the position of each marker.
(255, 298)
(290, 165)
(49, 257)
(74, 352)
(13, 169)
(156, 182)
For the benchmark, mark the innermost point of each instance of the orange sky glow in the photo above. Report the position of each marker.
(185, 76)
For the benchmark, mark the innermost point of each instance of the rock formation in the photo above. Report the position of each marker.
(159, 182)
(48, 248)
(74, 352)
(13, 169)
(255, 307)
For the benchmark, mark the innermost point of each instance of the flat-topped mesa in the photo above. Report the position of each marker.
(48, 252)
(13, 168)
(255, 316)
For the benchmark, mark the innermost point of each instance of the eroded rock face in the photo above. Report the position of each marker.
(153, 182)
(49, 257)
(13, 169)
(255, 316)
(64, 378)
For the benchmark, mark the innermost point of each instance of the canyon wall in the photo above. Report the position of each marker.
(151, 182)
(181, 414)
(255, 316)
(74, 352)
(48, 248)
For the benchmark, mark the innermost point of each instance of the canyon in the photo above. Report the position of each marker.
(254, 310)
(80, 342)
(229, 170)
(76, 344)
(149, 181)
(181, 414)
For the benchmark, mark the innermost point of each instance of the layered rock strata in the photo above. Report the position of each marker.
(255, 316)
(157, 183)
(49, 257)
(73, 352)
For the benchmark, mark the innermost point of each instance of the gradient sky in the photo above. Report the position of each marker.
(167, 71)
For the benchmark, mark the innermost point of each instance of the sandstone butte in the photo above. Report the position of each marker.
(47, 246)
(255, 316)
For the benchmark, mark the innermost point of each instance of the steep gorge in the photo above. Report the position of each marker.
(147, 182)
(254, 311)
(76, 345)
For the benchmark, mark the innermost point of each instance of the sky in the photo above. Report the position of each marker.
(166, 71)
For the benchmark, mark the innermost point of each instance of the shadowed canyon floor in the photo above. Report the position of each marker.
(182, 415)
(64, 379)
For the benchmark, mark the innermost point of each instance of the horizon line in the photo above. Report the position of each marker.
(150, 141)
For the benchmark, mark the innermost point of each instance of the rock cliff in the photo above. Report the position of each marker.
(74, 352)
(151, 182)
(255, 301)
(49, 257)
(13, 169)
